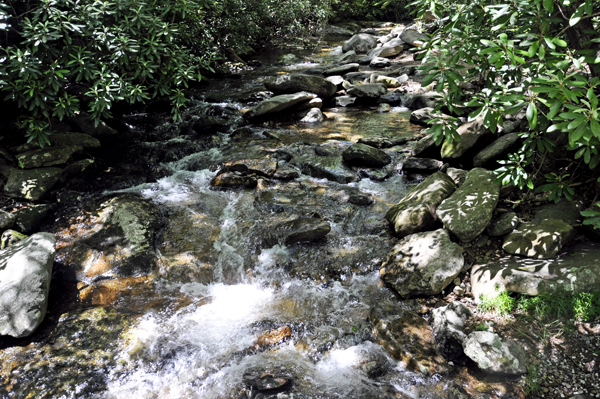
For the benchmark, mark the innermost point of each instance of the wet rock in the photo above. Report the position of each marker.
(448, 324)
(328, 167)
(504, 224)
(342, 69)
(421, 116)
(234, 180)
(286, 173)
(422, 264)
(28, 220)
(421, 164)
(115, 240)
(468, 211)
(76, 168)
(494, 356)
(387, 50)
(387, 81)
(364, 155)
(47, 156)
(364, 60)
(206, 125)
(383, 108)
(567, 211)
(393, 98)
(267, 383)
(382, 142)
(278, 103)
(347, 58)
(496, 150)
(368, 91)
(337, 80)
(7, 220)
(261, 166)
(542, 239)
(416, 211)
(108, 292)
(380, 62)
(25, 273)
(332, 30)
(422, 100)
(361, 43)
(314, 116)
(413, 38)
(408, 338)
(344, 101)
(424, 146)
(298, 230)
(272, 337)
(32, 184)
(296, 82)
(310, 104)
(354, 196)
(10, 237)
(288, 59)
(472, 135)
(577, 272)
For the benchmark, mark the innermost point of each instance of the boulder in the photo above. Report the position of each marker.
(565, 210)
(500, 147)
(32, 184)
(493, 356)
(344, 101)
(383, 108)
(313, 116)
(577, 271)
(382, 142)
(422, 100)
(361, 43)
(386, 51)
(329, 167)
(296, 82)
(504, 224)
(234, 180)
(416, 211)
(310, 104)
(265, 166)
(458, 175)
(421, 164)
(369, 90)
(116, 239)
(28, 220)
(424, 145)
(422, 264)
(11, 237)
(278, 103)
(472, 135)
(448, 324)
(408, 338)
(380, 62)
(25, 274)
(7, 220)
(337, 80)
(366, 60)
(541, 239)
(413, 38)
(365, 155)
(421, 116)
(346, 58)
(468, 211)
(288, 59)
(76, 139)
(389, 82)
(298, 230)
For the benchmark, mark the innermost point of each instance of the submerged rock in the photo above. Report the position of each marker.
(297, 231)
(494, 356)
(25, 273)
(422, 264)
(365, 155)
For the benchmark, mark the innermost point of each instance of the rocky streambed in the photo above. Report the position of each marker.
(295, 235)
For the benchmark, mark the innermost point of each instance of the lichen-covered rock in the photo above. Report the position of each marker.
(494, 356)
(10, 237)
(361, 43)
(25, 273)
(32, 184)
(347, 57)
(365, 155)
(504, 224)
(329, 167)
(578, 271)
(541, 239)
(408, 338)
(416, 211)
(115, 240)
(278, 103)
(297, 82)
(47, 156)
(497, 149)
(565, 210)
(422, 264)
(472, 135)
(468, 211)
(448, 324)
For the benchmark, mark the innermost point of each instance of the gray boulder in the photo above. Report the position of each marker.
(386, 51)
(278, 103)
(337, 80)
(504, 224)
(342, 69)
(7, 220)
(565, 210)
(369, 90)
(494, 356)
(298, 230)
(448, 323)
(329, 167)
(313, 116)
(540, 239)
(421, 116)
(28, 220)
(365, 155)
(472, 134)
(468, 211)
(413, 38)
(32, 184)
(578, 271)
(346, 58)
(421, 164)
(458, 175)
(71, 138)
(416, 211)
(424, 145)
(49, 156)
(422, 264)
(361, 43)
(25, 273)
(296, 82)
(380, 62)
(344, 101)
(497, 149)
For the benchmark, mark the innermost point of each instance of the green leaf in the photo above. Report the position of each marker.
(549, 5)
(427, 80)
(559, 42)
(533, 48)
(531, 115)
(595, 128)
(576, 16)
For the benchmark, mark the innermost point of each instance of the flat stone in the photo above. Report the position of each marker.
(298, 230)
(382, 142)
(496, 150)
(261, 166)
(72, 138)
(387, 50)
(313, 116)
(344, 101)
(296, 82)
(421, 164)
(413, 38)
(342, 69)
(540, 239)
(380, 62)
(278, 103)
(472, 135)
(32, 184)
(421, 116)
(369, 90)
(25, 274)
(49, 156)
(328, 167)
(347, 57)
